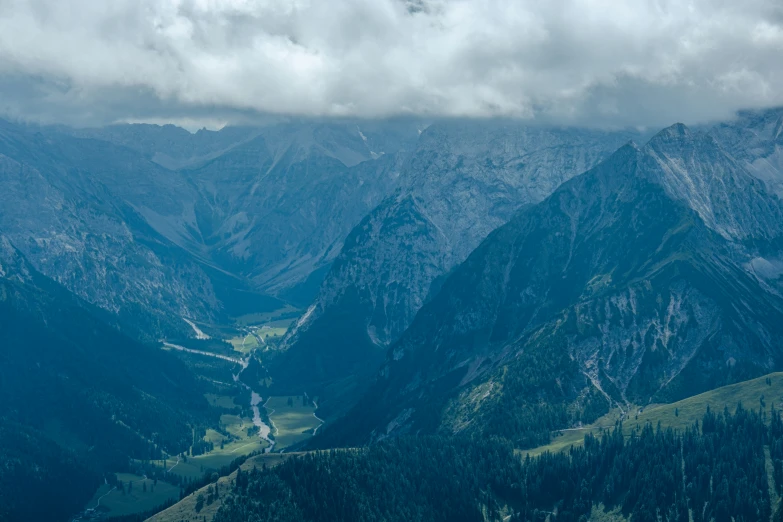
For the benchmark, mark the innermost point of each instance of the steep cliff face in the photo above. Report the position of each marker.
(463, 180)
(271, 203)
(73, 207)
(251, 211)
(756, 139)
(275, 210)
(630, 283)
(694, 168)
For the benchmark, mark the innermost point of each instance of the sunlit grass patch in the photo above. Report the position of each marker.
(293, 419)
(139, 495)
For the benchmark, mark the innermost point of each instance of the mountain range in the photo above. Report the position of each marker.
(155, 222)
(651, 277)
(463, 180)
(476, 278)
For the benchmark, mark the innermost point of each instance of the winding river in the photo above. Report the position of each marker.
(255, 398)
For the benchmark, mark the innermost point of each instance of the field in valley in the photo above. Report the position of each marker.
(140, 494)
(293, 419)
(246, 441)
(186, 508)
(293, 422)
(244, 343)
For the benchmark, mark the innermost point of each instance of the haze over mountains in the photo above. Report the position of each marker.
(269, 208)
(633, 283)
(391, 260)
(462, 181)
(448, 278)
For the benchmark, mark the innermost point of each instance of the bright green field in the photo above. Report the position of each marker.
(273, 332)
(689, 410)
(244, 344)
(195, 467)
(291, 423)
(681, 414)
(115, 503)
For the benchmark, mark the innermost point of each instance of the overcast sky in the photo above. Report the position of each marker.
(584, 62)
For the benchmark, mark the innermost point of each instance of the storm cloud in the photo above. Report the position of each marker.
(584, 62)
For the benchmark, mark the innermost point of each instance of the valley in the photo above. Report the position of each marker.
(391, 261)
(248, 423)
(296, 327)
(641, 425)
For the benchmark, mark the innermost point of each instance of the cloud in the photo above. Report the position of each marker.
(585, 62)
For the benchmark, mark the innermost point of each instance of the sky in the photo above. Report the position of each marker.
(604, 63)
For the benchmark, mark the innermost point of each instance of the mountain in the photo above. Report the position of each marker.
(170, 146)
(463, 180)
(631, 283)
(249, 212)
(277, 208)
(272, 203)
(756, 138)
(74, 207)
(79, 397)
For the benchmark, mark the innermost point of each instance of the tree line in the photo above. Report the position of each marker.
(714, 470)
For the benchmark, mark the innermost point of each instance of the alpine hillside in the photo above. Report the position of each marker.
(463, 180)
(79, 398)
(637, 281)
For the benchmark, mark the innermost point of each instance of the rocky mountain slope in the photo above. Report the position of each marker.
(278, 207)
(74, 207)
(631, 283)
(79, 397)
(756, 138)
(270, 203)
(463, 180)
(250, 211)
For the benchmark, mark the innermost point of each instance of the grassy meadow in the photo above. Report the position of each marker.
(186, 508)
(292, 418)
(142, 495)
(765, 392)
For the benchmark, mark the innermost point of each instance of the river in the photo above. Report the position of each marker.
(255, 398)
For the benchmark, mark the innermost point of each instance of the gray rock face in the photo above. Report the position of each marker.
(250, 209)
(630, 283)
(755, 138)
(692, 167)
(276, 209)
(69, 206)
(273, 203)
(463, 181)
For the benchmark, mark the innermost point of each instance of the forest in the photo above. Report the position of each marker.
(714, 470)
(80, 401)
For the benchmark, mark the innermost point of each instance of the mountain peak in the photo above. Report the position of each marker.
(676, 131)
(678, 128)
(694, 168)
